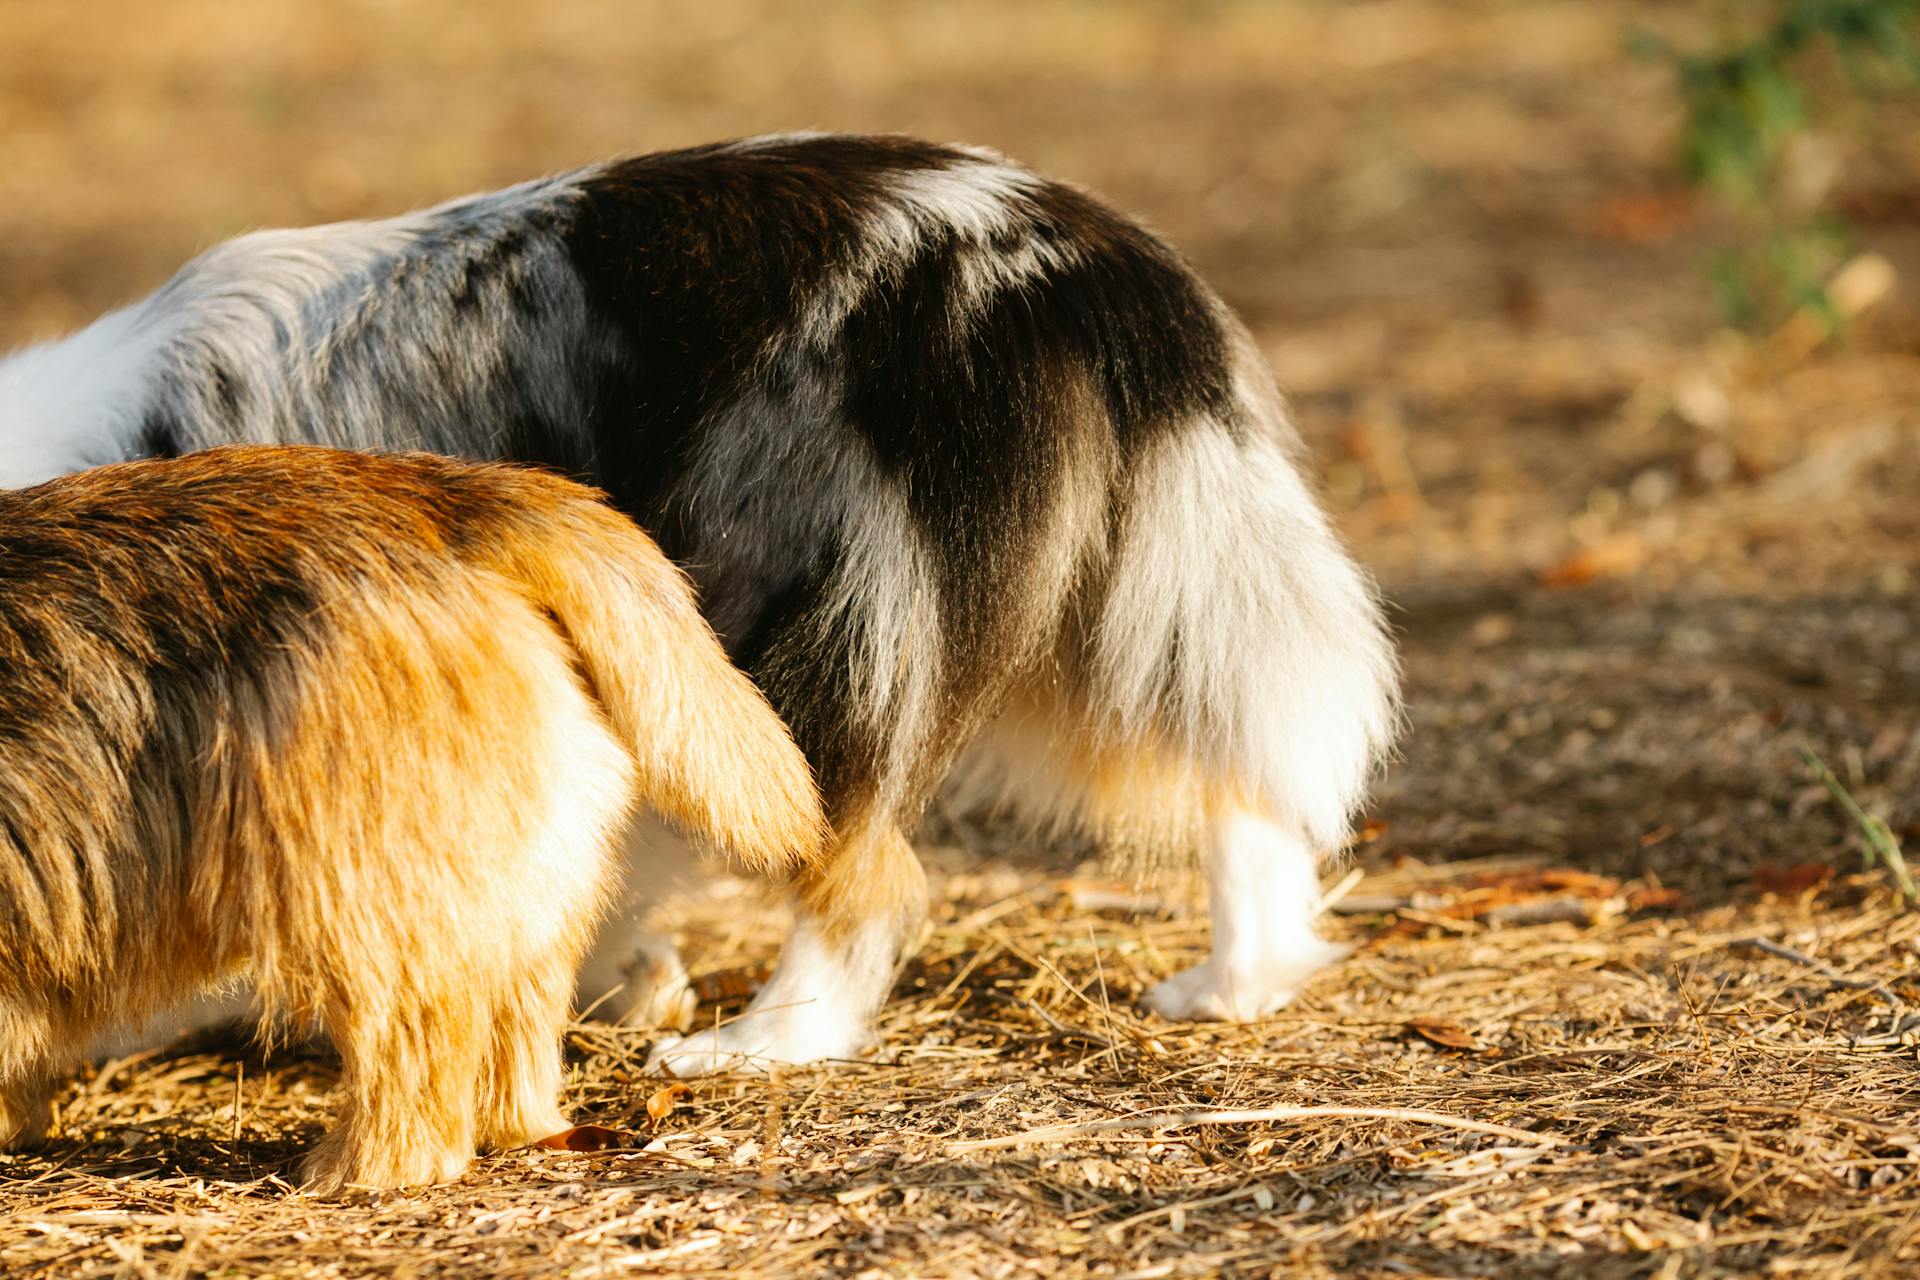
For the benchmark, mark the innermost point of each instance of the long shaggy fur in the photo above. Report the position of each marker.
(954, 452)
(360, 729)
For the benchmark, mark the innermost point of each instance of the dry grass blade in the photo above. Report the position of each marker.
(1258, 1115)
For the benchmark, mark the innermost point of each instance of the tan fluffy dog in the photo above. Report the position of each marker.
(359, 728)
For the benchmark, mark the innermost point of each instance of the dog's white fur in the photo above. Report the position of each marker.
(818, 1006)
(66, 405)
(1264, 888)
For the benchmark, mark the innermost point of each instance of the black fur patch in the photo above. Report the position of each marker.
(700, 259)
(705, 262)
(159, 437)
(814, 312)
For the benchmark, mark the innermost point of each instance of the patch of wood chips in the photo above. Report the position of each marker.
(1641, 1094)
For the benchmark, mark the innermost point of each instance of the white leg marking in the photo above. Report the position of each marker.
(1264, 888)
(633, 976)
(819, 1004)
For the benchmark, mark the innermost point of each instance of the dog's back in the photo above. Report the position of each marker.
(360, 727)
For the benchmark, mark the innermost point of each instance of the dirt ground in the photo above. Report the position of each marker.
(1613, 943)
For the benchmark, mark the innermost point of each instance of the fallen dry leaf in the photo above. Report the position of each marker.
(1449, 1035)
(1791, 881)
(1613, 557)
(662, 1103)
(1642, 217)
(587, 1137)
(1562, 881)
(1657, 898)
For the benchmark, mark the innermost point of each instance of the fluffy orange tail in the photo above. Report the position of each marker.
(713, 755)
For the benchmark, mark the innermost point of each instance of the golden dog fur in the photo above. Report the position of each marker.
(359, 728)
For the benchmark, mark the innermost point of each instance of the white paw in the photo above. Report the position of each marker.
(658, 994)
(642, 984)
(759, 1041)
(1217, 991)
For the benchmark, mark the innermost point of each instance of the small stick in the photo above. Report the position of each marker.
(1062, 1028)
(1106, 1005)
(770, 1132)
(1332, 897)
(1820, 967)
(1038, 962)
(1190, 1119)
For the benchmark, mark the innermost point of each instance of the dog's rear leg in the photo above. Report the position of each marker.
(410, 1058)
(520, 1093)
(1263, 887)
(1047, 759)
(633, 976)
(26, 1109)
(835, 971)
(27, 1071)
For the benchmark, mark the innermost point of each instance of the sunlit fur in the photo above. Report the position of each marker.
(956, 454)
(359, 729)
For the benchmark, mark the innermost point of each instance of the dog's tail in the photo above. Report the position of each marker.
(1235, 629)
(713, 755)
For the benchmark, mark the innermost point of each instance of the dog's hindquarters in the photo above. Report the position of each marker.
(382, 719)
(454, 887)
(1229, 689)
(587, 628)
(381, 791)
(1066, 493)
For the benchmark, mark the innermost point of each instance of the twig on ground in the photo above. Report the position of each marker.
(1264, 1115)
(1832, 975)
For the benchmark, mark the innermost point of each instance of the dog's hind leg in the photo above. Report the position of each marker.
(836, 969)
(545, 895)
(27, 1072)
(26, 1108)
(633, 975)
(446, 990)
(1237, 635)
(1263, 889)
(1146, 803)
(520, 1086)
(1229, 691)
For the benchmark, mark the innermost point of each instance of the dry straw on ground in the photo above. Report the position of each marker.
(1640, 1094)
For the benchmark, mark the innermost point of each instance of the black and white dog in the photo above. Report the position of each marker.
(964, 463)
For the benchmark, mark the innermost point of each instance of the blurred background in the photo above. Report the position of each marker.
(1554, 287)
